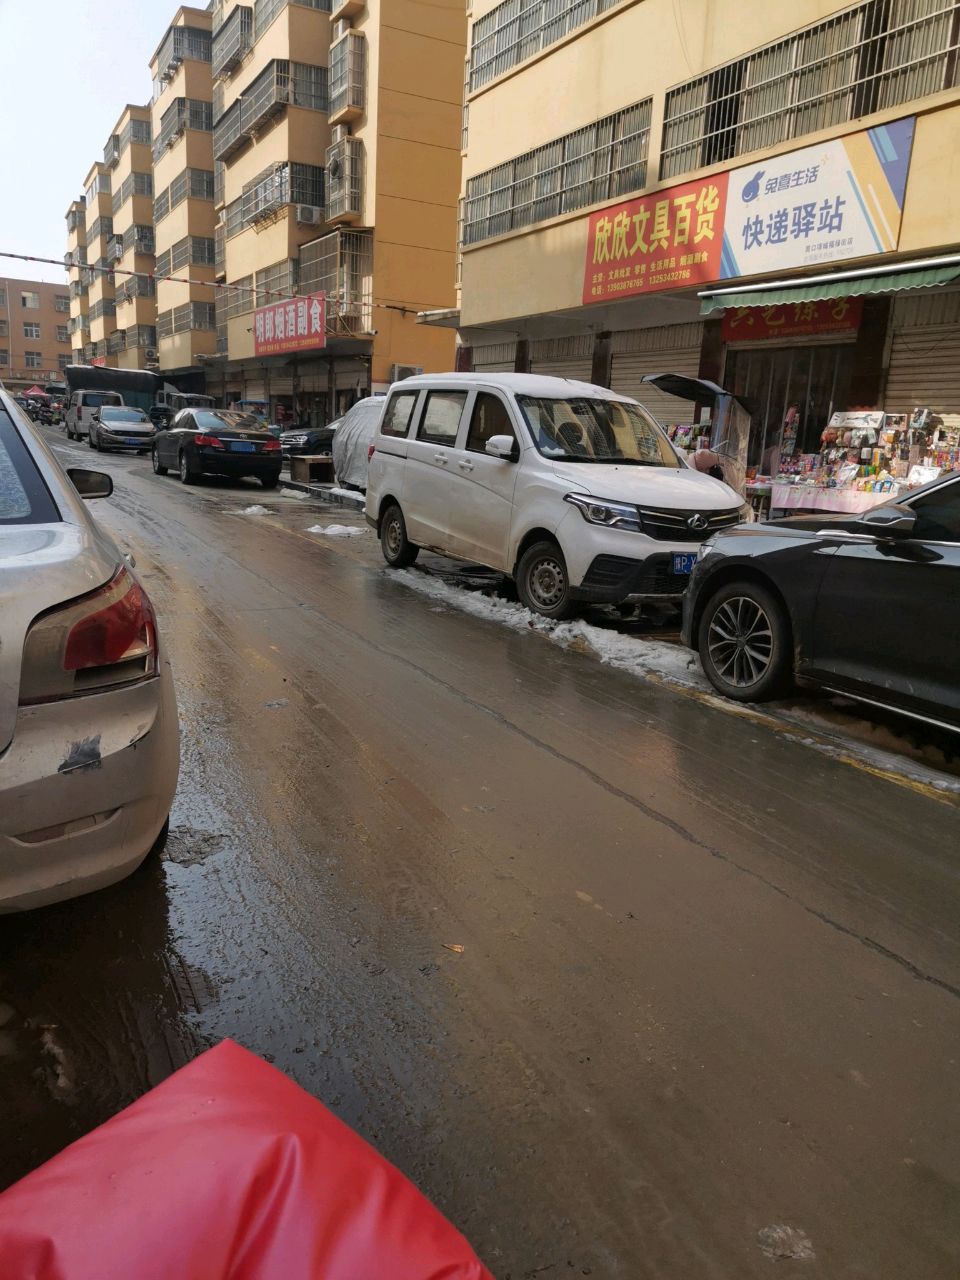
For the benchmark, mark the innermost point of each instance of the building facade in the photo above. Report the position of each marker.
(336, 155)
(78, 278)
(128, 157)
(755, 193)
(184, 197)
(34, 333)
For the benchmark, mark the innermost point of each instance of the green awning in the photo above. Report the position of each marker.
(891, 282)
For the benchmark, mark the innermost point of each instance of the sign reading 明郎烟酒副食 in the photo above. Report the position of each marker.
(296, 324)
(821, 204)
(838, 199)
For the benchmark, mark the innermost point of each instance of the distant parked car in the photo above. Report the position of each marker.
(868, 606)
(353, 441)
(307, 440)
(220, 442)
(89, 740)
(115, 428)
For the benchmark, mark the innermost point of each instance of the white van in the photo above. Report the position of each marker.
(572, 490)
(81, 409)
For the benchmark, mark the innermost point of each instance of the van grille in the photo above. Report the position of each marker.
(673, 526)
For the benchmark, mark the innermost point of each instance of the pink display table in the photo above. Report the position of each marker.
(796, 497)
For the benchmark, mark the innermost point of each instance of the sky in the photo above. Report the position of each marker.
(67, 69)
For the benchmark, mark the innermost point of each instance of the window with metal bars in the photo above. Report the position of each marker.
(876, 55)
(191, 251)
(162, 266)
(264, 11)
(165, 324)
(276, 281)
(192, 315)
(348, 60)
(344, 177)
(137, 131)
(341, 265)
(61, 302)
(134, 184)
(105, 307)
(239, 298)
(598, 162)
(139, 238)
(101, 227)
(142, 335)
(116, 341)
(182, 114)
(233, 40)
(517, 29)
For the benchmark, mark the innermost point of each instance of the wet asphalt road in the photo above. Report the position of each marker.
(710, 982)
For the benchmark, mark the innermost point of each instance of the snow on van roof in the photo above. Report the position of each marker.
(527, 384)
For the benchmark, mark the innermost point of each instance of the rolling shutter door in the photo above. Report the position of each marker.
(498, 357)
(670, 349)
(924, 370)
(563, 357)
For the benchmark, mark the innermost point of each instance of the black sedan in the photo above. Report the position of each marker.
(116, 427)
(217, 442)
(306, 440)
(866, 606)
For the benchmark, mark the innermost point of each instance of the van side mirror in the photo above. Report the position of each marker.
(90, 484)
(503, 447)
(891, 521)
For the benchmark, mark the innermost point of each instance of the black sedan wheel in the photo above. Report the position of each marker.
(745, 643)
(158, 468)
(188, 473)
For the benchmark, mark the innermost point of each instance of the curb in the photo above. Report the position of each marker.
(324, 493)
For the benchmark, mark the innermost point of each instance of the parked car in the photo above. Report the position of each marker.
(867, 606)
(353, 441)
(306, 440)
(82, 406)
(220, 442)
(89, 740)
(114, 428)
(574, 491)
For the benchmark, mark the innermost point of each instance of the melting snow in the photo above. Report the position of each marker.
(255, 510)
(336, 530)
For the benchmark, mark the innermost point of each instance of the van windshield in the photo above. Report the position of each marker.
(97, 399)
(581, 429)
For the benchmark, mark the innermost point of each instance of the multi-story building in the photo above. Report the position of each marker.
(183, 179)
(34, 333)
(336, 149)
(758, 193)
(101, 291)
(78, 277)
(128, 157)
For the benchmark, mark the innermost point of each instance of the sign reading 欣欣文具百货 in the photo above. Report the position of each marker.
(296, 324)
(838, 199)
(820, 204)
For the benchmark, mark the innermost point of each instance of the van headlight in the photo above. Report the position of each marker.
(613, 515)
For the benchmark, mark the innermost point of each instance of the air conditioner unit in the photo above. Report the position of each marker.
(400, 371)
(151, 353)
(339, 132)
(308, 215)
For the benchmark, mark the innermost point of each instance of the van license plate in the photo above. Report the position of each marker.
(683, 561)
(242, 446)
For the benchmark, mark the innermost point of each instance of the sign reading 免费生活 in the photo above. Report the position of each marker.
(666, 240)
(838, 199)
(298, 324)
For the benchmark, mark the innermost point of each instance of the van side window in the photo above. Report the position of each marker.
(490, 418)
(441, 417)
(399, 410)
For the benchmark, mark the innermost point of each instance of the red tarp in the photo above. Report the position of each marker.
(226, 1170)
(36, 393)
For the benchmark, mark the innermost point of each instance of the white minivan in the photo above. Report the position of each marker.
(572, 490)
(82, 406)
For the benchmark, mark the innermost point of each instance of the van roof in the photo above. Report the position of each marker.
(528, 384)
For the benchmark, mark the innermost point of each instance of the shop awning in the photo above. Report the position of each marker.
(839, 284)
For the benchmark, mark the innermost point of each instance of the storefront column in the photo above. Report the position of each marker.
(601, 373)
(331, 390)
(711, 352)
(521, 361)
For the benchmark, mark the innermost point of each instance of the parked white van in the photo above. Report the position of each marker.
(81, 409)
(572, 490)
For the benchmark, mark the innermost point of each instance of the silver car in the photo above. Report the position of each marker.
(89, 746)
(117, 427)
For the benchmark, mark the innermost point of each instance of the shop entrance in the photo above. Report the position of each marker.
(790, 393)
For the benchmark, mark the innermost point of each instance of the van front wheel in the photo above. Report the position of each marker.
(543, 583)
(398, 550)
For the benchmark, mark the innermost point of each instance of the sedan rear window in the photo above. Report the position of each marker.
(211, 419)
(23, 495)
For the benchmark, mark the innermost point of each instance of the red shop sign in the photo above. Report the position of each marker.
(298, 324)
(791, 319)
(670, 239)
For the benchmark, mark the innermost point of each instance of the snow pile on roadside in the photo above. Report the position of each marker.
(336, 530)
(353, 495)
(294, 493)
(255, 510)
(628, 653)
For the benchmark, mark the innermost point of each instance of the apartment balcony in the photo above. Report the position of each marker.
(348, 76)
(228, 135)
(182, 114)
(116, 342)
(181, 43)
(233, 41)
(340, 264)
(111, 152)
(344, 180)
(280, 85)
(115, 249)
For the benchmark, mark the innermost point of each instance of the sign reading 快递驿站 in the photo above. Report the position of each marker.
(665, 240)
(297, 324)
(836, 200)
